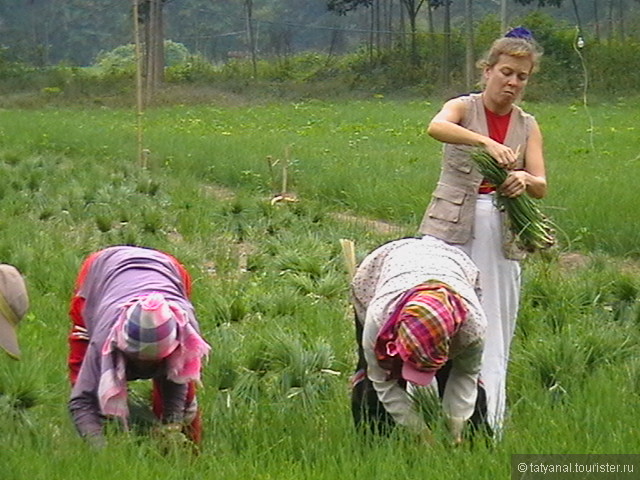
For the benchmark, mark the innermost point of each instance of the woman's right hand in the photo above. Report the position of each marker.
(502, 154)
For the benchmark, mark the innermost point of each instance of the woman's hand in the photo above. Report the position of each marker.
(515, 184)
(96, 440)
(171, 439)
(502, 154)
(426, 436)
(456, 427)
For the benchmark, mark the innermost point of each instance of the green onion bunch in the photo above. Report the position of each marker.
(533, 230)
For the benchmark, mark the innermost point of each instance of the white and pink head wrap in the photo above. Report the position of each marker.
(150, 328)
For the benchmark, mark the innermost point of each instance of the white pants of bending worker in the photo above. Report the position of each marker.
(500, 283)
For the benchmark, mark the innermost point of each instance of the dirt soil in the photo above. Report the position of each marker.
(568, 261)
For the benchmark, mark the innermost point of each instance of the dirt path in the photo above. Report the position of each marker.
(567, 261)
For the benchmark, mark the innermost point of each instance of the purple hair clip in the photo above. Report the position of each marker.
(520, 32)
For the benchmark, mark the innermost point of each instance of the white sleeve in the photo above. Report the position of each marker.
(393, 397)
(461, 390)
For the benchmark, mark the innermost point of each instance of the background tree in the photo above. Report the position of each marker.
(341, 7)
(151, 19)
(290, 26)
(617, 19)
(445, 6)
(469, 47)
(77, 33)
(446, 44)
(212, 28)
(251, 37)
(46, 32)
(412, 7)
(541, 3)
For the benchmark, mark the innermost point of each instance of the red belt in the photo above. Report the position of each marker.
(486, 189)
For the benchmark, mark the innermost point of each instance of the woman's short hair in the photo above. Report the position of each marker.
(514, 47)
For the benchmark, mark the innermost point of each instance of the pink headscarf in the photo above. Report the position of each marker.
(149, 328)
(420, 331)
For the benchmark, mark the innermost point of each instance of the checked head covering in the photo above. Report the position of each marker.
(420, 331)
(149, 330)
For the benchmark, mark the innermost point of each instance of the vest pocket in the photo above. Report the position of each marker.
(446, 203)
(464, 166)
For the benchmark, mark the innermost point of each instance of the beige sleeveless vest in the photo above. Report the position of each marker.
(450, 213)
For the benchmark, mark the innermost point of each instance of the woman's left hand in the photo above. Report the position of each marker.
(515, 184)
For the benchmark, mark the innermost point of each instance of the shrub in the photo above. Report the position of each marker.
(122, 58)
(192, 68)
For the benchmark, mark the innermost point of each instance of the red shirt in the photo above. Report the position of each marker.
(498, 125)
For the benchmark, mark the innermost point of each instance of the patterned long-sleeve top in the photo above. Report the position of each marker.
(380, 280)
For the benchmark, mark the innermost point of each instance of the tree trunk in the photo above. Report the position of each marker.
(389, 24)
(377, 17)
(504, 20)
(413, 7)
(403, 30)
(621, 29)
(470, 55)
(158, 44)
(596, 20)
(446, 45)
(371, 36)
(151, 18)
(39, 33)
(414, 40)
(611, 25)
(139, 88)
(251, 36)
(430, 27)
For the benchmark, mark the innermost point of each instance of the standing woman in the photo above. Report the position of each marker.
(462, 210)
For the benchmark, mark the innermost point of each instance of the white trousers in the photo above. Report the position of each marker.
(500, 283)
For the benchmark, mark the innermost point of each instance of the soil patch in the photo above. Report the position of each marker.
(573, 261)
(378, 226)
(219, 192)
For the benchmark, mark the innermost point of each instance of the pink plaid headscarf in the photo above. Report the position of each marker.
(420, 331)
(149, 328)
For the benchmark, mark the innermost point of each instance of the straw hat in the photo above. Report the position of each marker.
(14, 303)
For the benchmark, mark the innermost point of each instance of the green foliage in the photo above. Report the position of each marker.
(10, 70)
(271, 291)
(541, 3)
(193, 68)
(571, 328)
(606, 62)
(604, 67)
(390, 69)
(531, 228)
(486, 31)
(342, 7)
(123, 58)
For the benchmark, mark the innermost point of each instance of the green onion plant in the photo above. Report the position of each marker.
(533, 229)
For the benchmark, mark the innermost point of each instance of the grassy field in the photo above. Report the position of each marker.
(271, 290)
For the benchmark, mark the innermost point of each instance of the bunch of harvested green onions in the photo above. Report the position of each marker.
(533, 230)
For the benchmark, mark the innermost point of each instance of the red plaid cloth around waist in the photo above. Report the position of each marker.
(486, 187)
